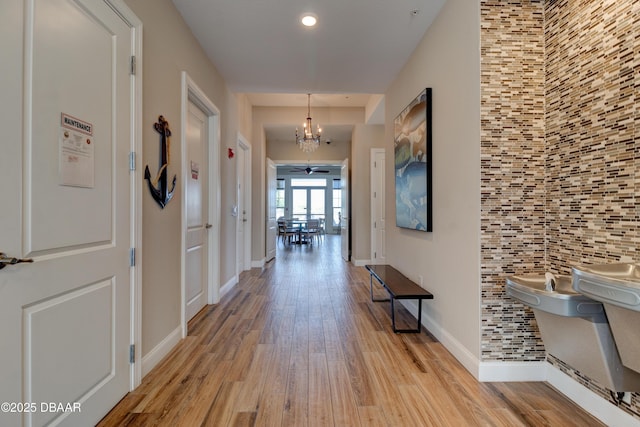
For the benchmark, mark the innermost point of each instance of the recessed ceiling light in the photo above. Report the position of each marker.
(309, 20)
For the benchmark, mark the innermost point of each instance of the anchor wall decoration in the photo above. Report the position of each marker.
(158, 186)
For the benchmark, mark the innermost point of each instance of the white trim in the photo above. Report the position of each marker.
(589, 401)
(259, 263)
(224, 289)
(155, 356)
(493, 371)
(135, 328)
(496, 371)
(361, 262)
(191, 92)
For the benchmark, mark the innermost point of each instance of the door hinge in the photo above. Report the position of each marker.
(132, 161)
(375, 224)
(132, 69)
(132, 257)
(132, 353)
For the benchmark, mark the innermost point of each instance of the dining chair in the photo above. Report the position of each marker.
(285, 232)
(312, 230)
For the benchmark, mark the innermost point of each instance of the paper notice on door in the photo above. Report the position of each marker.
(77, 167)
(195, 170)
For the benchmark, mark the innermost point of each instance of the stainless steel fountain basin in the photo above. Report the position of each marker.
(617, 283)
(617, 287)
(574, 328)
(530, 290)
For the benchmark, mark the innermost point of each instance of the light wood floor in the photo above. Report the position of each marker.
(301, 343)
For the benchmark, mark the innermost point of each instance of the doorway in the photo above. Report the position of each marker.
(308, 202)
(200, 208)
(243, 238)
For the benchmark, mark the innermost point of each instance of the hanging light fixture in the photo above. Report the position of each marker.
(307, 141)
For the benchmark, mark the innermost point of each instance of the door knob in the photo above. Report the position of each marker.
(208, 226)
(5, 260)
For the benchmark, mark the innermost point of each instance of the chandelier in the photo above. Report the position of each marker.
(307, 141)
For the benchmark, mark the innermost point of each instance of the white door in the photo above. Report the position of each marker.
(196, 200)
(66, 112)
(378, 217)
(243, 237)
(272, 185)
(345, 219)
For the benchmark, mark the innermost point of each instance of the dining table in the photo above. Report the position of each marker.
(299, 225)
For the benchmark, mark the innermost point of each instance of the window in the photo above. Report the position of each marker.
(280, 198)
(308, 182)
(337, 202)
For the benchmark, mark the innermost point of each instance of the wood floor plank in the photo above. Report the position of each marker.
(300, 343)
(345, 410)
(320, 405)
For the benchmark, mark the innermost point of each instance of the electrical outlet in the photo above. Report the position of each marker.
(421, 279)
(627, 397)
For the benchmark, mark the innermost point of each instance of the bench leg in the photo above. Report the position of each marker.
(371, 290)
(404, 331)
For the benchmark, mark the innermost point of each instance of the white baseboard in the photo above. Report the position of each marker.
(495, 371)
(460, 352)
(360, 262)
(258, 264)
(589, 401)
(151, 359)
(227, 286)
(594, 404)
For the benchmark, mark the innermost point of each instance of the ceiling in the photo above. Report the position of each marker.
(356, 49)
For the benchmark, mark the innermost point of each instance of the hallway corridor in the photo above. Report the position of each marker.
(300, 343)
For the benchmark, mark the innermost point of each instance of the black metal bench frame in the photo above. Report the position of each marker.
(399, 287)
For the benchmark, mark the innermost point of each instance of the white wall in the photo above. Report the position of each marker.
(447, 60)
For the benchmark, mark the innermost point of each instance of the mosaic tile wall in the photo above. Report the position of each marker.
(592, 125)
(559, 188)
(512, 172)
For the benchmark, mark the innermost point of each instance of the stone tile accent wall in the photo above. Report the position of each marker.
(512, 172)
(592, 121)
(560, 142)
(592, 125)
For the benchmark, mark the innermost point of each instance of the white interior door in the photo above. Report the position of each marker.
(378, 216)
(196, 200)
(345, 220)
(271, 228)
(244, 205)
(67, 117)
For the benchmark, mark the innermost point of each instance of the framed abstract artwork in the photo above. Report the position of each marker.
(412, 149)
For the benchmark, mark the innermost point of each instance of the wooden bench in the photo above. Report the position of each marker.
(399, 287)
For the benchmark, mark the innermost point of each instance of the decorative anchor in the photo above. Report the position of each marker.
(161, 194)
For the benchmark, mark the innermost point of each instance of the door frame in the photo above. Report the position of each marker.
(244, 145)
(137, 183)
(192, 93)
(377, 171)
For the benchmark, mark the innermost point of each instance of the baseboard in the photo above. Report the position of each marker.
(360, 262)
(497, 371)
(258, 264)
(151, 359)
(460, 352)
(541, 371)
(228, 286)
(594, 404)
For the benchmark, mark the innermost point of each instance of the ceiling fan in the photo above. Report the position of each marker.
(309, 170)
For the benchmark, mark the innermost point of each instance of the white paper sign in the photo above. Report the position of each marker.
(76, 152)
